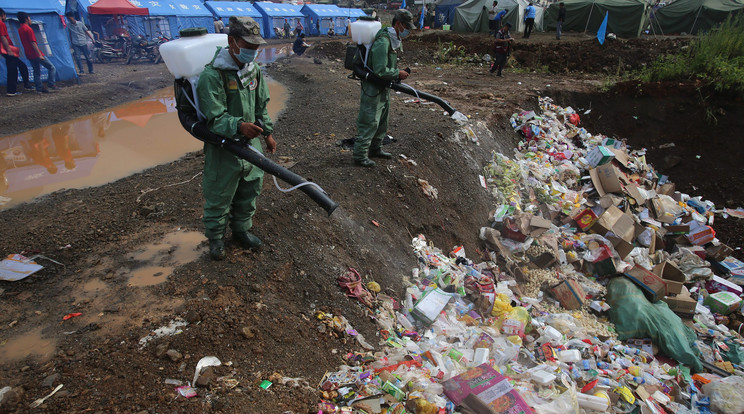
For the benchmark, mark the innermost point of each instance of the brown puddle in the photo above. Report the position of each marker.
(25, 345)
(100, 148)
(176, 249)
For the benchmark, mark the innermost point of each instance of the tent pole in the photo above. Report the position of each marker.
(695, 21)
(589, 18)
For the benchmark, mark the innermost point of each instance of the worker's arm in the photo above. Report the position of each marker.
(36, 48)
(6, 45)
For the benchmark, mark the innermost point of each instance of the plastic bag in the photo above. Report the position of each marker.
(725, 395)
(635, 317)
(501, 305)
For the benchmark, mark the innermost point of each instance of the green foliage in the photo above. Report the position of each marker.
(716, 58)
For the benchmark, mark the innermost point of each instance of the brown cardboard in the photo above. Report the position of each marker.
(621, 157)
(682, 304)
(673, 277)
(640, 195)
(666, 189)
(650, 283)
(606, 179)
(659, 213)
(622, 247)
(614, 220)
(718, 253)
(570, 294)
(536, 221)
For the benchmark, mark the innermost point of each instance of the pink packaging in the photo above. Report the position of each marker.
(488, 386)
(719, 284)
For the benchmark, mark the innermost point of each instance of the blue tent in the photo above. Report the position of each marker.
(273, 15)
(50, 31)
(224, 9)
(189, 13)
(329, 15)
(166, 16)
(444, 12)
(349, 15)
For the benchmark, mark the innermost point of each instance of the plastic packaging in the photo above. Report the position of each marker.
(186, 57)
(725, 395)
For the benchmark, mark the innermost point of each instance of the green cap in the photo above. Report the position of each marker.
(249, 29)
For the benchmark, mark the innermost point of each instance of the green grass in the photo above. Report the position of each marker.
(715, 58)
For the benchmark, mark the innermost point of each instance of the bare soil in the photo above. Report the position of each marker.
(256, 309)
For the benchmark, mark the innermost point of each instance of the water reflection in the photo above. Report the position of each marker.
(99, 148)
(270, 54)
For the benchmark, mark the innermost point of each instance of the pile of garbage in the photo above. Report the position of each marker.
(601, 289)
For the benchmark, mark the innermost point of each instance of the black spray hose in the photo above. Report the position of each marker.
(365, 75)
(200, 131)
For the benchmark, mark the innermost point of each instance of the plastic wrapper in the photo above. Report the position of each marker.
(726, 395)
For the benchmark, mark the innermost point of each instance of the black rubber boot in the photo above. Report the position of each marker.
(381, 154)
(365, 163)
(247, 240)
(217, 249)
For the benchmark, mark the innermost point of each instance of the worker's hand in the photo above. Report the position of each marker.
(270, 144)
(249, 130)
(402, 74)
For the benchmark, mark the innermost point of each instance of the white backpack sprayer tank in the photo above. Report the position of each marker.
(185, 59)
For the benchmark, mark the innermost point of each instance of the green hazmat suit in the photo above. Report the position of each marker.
(231, 184)
(374, 102)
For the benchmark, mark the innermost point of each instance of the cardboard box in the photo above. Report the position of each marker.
(672, 276)
(621, 156)
(722, 302)
(700, 234)
(622, 247)
(650, 283)
(606, 179)
(659, 212)
(719, 284)
(612, 143)
(730, 266)
(619, 223)
(682, 304)
(598, 156)
(719, 252)
(489, 387)
(570, 294)
(586, 219)
(427, 308)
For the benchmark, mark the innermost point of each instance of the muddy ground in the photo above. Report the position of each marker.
(256, 310)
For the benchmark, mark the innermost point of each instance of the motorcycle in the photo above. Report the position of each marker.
(146, 49)
(115, 48)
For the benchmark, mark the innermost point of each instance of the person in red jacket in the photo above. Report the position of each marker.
(14, 65)
(34, 54)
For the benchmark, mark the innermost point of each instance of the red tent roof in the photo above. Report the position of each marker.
(117, 7)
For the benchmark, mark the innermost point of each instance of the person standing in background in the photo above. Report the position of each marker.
(79, 36)
(219, 25)
(561, 19)
(529, 20)
(35, 55)
(12, 62)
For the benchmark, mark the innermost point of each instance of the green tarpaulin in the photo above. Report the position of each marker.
(472, 15)
(627, 18)
(694, 16)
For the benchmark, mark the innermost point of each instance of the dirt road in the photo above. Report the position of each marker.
(133, 259)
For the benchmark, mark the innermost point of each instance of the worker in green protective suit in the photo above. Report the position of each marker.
(374, 103)
(232, 95)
